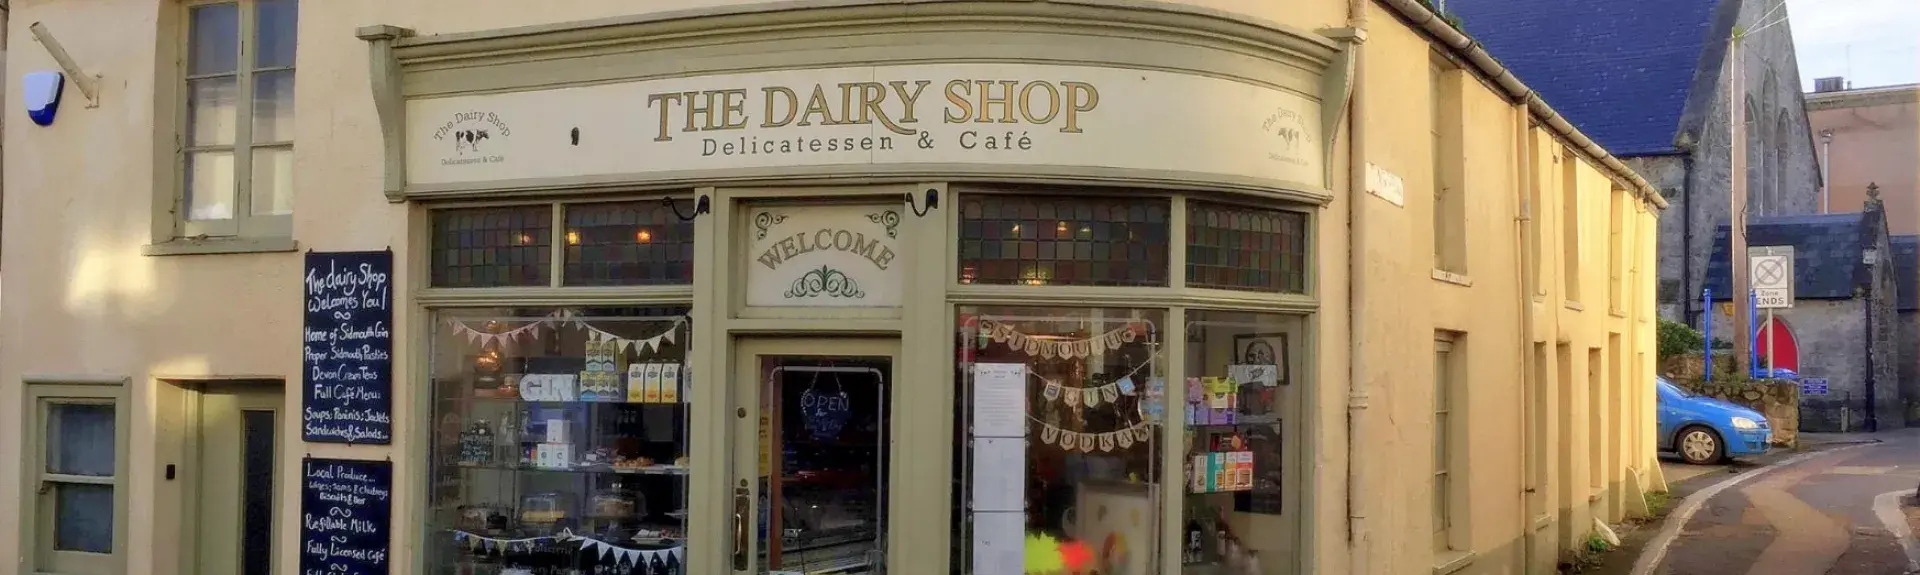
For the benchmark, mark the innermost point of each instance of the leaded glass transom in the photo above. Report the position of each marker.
(1241, 248)
(627, 243)
(492, 247)
(1063, 240)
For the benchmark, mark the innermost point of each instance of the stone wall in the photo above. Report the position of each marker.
(1778, 400)
(1832, 337)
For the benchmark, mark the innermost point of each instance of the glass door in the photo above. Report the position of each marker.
(810, 482)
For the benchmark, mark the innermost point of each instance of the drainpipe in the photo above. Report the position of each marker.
(1524, 230)
(1360, 544)
(1826, 171)
(1686, 233)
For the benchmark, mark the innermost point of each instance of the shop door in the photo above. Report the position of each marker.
(812, 458)
(235, 477)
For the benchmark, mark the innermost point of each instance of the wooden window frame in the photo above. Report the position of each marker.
(36, 500)
(243, 224)
(1571, 244)
(1446, 131)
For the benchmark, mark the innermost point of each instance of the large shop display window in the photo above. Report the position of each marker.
(1236, 511)
(1056, 420)
(560, 441)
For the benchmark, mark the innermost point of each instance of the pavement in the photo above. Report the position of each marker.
(1832, 507)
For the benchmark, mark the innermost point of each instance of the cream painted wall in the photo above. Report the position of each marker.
(1396, 248)
(83, 299)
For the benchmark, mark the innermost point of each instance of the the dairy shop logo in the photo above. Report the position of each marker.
(472, 135)
(1290, 130)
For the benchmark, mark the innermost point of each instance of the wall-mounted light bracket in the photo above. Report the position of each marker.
(700, 206)
(932, 203)
(88, 84)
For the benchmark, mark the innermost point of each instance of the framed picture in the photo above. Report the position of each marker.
(1264, 349)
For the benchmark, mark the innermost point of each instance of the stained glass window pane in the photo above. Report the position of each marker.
(1061, 240)
(627, 243)
(492, 247)
(1239, 248)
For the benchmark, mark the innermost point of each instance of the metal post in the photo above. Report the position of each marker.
(1771, 365)
(1706, 303)
(1753, 317)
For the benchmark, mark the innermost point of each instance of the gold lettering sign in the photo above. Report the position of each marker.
(895, 106)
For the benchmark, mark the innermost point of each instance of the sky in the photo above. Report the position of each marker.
(1870, 42)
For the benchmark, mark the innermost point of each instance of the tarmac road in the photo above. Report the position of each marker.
(1815, 516)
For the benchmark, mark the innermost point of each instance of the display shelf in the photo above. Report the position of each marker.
(652, 470)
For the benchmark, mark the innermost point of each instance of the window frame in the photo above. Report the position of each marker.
(1446, 117)
(244, 224)
(1449, 526)
(36, 499)
(1571, 248)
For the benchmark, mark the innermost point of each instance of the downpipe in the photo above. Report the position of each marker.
(1360, 541)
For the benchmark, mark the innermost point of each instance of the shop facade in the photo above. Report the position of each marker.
(967, 287)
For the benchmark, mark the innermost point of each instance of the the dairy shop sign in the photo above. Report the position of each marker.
(1060, 116)
(832, 255)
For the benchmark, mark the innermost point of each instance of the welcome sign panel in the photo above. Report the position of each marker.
(834, 255)
(1000, 114)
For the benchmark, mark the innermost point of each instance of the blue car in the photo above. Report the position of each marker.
(1704, 430)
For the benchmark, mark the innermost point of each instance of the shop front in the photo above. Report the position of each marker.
(860, 290)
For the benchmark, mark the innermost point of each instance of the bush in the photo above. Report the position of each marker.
(1677, 338)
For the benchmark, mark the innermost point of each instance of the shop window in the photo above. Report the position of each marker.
(627, 243)
(237, 134)
(549, 422)
(1056, 426)
(1239, 248)
(76, 478)
(1063, 240)
(493, 247)
(1237, 514)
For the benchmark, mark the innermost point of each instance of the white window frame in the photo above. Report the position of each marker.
(36, 538)
(244, 223)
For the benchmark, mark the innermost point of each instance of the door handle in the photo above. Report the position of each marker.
(741, 507)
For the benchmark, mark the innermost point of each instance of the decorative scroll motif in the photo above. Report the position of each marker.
(825, 281)
(764, 220)
(888, 219)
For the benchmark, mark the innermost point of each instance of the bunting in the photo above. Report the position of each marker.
(1004, 333)
(600, 549)
(565, 318)
(1071, 440)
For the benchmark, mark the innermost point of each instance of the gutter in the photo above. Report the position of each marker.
(1445, 34)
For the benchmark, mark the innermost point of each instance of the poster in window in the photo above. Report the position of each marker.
(1259, 349)
(347, 348)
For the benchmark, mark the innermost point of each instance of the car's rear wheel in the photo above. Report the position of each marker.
(1700, 445)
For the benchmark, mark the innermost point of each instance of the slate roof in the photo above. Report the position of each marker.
(1619, 70)
(1906, 270)
(1826, 253)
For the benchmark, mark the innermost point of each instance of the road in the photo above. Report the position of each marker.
(1813, 516)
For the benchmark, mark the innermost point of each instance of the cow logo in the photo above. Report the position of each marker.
(1288, 130)
(474, 134)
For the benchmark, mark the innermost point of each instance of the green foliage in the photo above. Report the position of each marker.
(1677, 338)
(1657, 502)
(1597, 544)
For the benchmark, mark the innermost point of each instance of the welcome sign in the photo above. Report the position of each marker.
(824, 256)
(997, 114)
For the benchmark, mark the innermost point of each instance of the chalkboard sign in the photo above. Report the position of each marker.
(345, 516)
(348, 341)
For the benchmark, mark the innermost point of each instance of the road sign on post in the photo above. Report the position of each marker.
(1771, 270)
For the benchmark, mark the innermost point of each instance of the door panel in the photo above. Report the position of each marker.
(237, 476)
(813, 455)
